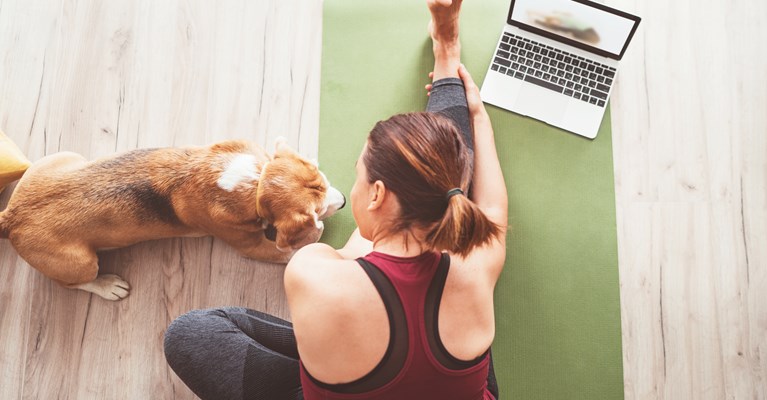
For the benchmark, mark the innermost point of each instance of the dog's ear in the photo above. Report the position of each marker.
(281, 148)
(298, 231)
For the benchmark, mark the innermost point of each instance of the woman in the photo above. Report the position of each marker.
(390, 315)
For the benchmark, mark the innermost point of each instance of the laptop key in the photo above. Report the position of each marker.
(560, 57)
(522, 53)
(591, 67)
(568, 92)
(577, 95)
(515, 66)
(585, 98)
(502, 61)
(584, 73)
(514, 57)
(600, 70)
(545, 68)
(593, 100)
(608, 81)
(560, 73)
(529, 62)
(568, 60)
(583, 64)
(528, 46)
(538, 74)
(597, 93)
(537, 65)
(544, 52)
(553, 79)
(510, 72)
(562, 81)
(536, 49)
(569, 68)
(609, 74)
(543, 83)
(577, 71)
(514, 50)
(513, 42)
(502, 54)
(568, 76)
(591, 84)
(519, 75)
(546, 76)
(578, 87)
(576, 79)
(601, 103)
(569, 85)
(553, 62)
(600, 78)
(502, 70)
(505, 47)
(523, 69)
(593, 76)
(494, 67)
(603, 87)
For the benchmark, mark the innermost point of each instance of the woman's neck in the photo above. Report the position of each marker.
(402, 244)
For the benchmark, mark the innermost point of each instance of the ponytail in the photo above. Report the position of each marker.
(463, 227)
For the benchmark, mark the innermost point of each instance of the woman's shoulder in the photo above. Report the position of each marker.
(481, 267)
(318, 275)
(337, 314)
(317, 265)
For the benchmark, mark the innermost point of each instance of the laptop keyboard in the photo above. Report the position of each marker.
(554, 69)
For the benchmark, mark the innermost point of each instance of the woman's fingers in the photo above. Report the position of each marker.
(472, 91)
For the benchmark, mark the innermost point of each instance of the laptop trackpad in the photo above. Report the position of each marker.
(541, 103)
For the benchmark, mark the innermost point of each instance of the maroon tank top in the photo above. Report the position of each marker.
(416, 364)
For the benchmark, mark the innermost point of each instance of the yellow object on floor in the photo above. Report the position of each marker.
(13, 163)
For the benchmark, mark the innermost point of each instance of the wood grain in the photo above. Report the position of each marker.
(104, 77)
(689, 124)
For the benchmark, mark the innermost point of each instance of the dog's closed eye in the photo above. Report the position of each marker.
(271, 232)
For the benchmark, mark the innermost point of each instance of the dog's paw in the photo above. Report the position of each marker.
(110, 287)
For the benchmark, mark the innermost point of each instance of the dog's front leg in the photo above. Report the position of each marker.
(255, 245)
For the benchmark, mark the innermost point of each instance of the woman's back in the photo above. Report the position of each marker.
(414, 362)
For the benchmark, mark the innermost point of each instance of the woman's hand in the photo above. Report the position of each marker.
(476, 107)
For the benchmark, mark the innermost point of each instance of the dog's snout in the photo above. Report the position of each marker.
(334, 201)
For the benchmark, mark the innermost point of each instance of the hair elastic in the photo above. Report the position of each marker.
(454, 191)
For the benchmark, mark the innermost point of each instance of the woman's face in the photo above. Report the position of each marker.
(360, 197)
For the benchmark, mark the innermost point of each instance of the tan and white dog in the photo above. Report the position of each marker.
(65, 208)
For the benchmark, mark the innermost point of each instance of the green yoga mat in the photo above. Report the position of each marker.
(557, 303)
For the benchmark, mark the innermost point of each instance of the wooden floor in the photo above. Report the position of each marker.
(690, 133)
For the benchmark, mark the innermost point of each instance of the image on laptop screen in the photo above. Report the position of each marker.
(576, 21)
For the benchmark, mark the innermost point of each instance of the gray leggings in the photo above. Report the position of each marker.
(238, 353)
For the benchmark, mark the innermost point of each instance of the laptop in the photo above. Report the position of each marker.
(557, 60)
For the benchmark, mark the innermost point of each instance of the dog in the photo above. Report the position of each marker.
(66, 209)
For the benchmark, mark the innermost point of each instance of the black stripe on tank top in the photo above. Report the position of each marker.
(431, 314)
(396, 352)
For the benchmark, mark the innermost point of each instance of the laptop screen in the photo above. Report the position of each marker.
(580, 23)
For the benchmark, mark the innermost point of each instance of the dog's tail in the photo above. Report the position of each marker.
(3, 227)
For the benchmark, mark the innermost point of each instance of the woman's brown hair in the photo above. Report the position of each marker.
(420, 157)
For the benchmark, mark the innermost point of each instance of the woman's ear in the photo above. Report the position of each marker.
(378, 194)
